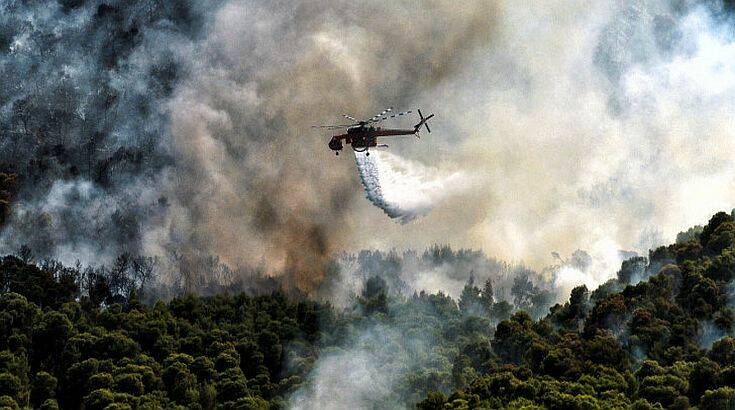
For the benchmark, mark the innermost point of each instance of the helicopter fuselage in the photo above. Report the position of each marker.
(363, 137)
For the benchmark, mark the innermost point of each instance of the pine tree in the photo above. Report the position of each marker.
(470, 295)
(488, 297)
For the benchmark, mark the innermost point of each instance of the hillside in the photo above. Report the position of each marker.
(658, 342)
(657, 335)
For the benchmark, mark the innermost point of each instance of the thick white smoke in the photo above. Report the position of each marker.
(602, 262)
(606, 124)
(405, 189)
(356, 377)
(367, 372)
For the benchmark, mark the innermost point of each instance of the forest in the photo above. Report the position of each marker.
(659, 335)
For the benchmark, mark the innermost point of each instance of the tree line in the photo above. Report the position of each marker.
(659, 334)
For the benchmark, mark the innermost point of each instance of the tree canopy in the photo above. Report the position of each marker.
(658, 334)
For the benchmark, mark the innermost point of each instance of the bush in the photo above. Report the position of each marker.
(722, 398)
(43, 388)
(10, 385)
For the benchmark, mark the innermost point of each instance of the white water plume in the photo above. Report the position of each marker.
(403, 189)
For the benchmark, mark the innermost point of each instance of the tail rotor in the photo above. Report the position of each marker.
(424, 122)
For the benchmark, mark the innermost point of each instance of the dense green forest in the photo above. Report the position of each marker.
(657, 335)
(662, 342)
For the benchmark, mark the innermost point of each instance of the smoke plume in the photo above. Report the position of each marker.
(169, 130)
(365, 372)
(191, 123)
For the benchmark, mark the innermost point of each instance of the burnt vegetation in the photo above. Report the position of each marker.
(657, 335)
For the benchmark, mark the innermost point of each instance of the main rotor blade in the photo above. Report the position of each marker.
(378, 119)
(333, 126)
(350, 118)
(401, 113)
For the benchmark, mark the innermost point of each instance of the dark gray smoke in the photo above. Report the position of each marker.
(84, 123)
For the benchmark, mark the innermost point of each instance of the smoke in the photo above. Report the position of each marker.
(404, 189)
(239, 126)
(192, 121)
(582, 131)
(81, 116)
(437, 269)
(580, 125)
(366, 371)
(708, 334)
(591, 268)
(598, 125)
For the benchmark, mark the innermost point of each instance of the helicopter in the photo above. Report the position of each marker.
(362, 135)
